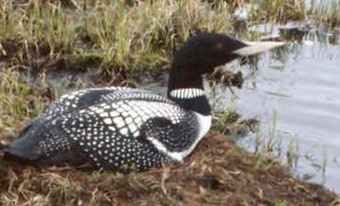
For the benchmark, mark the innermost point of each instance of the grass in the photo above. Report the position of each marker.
(268, 145)
(44, 35)
(18, 100)
(119, 40)
(124, 38)
(218, 173)
(232, 125)
(326, 13)
(38, 37)
(277, 11)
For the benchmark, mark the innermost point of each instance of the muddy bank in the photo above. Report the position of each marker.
(217, 173)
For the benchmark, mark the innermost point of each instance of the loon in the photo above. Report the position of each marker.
(117, 128)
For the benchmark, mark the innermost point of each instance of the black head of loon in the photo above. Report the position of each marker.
(116, 127)
(200, 55)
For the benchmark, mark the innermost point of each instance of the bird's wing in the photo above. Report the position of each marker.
(85, 98)
(77, 100)
(174, 140)
(112, 134)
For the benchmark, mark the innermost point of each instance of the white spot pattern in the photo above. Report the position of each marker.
(106, 123)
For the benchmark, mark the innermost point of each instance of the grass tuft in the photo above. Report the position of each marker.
(118, 39)
(326, 13)
(278, 11)
(41, 35)
(18, 100)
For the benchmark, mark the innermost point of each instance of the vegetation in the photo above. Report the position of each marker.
(278, 11)
(326, 13)
(117, 41)
(218, 173)
(18, 101)
(41, 35)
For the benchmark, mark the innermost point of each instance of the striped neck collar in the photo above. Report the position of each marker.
(186, 93)
(192, 99)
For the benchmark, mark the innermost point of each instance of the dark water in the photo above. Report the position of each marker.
(296, 95)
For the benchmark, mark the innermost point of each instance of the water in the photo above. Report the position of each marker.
(296, 94)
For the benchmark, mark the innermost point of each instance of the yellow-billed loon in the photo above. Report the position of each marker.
(117, 127)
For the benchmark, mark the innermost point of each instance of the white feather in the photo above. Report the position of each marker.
(204, 123)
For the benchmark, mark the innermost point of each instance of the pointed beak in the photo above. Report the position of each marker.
(253, 48)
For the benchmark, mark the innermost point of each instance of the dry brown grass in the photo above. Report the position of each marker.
(326, 13)
(218, 173)
(120, 40)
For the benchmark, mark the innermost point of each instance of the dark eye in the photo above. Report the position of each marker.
(218, 46)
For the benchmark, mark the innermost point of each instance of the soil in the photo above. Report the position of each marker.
(217, 173)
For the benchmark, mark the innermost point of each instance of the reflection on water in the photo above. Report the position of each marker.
(300, 92)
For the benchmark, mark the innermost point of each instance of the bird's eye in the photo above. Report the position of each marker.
(218, 46)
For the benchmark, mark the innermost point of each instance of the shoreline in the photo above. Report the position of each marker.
(217, 173)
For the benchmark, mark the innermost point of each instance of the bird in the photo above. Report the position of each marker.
(124, 129)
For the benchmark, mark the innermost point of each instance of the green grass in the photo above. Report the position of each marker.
(326, 13)
(108, 36)
(114, 38)
(232, 125)
(115, 35)
(18, 100)
(277, 11)
(268, 145)
(111, 37)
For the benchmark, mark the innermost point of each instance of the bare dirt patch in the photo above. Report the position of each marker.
(217, 173)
